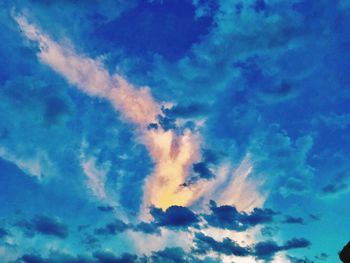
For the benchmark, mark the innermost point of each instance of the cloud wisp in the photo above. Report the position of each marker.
(172, 153)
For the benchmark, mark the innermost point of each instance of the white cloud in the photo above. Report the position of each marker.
(96, 176)
(38, 165)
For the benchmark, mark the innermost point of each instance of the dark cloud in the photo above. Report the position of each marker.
(267, 249)
(331, 189)
(259, 6)
(228, 217)
(258, 216)
(205, 244)
(170, 255)
(189, 110)
(167, 123)
(293, 259)
(106, 208)
(26, 227)
(3, 232)
(152, 126)
(55, 257)
(147, 228)
(109, 257)
(264, 250)
(202, 170)
(90, 241)
(44, 225)
(174, 216)
(32, 258)
(50, 226)
(340, 184)
(113, 228)
(322, 256)
(293, 220)
(296, 243)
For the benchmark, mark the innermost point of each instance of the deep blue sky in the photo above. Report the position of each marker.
(256, 87)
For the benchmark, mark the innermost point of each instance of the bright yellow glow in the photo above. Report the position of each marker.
(173, 157)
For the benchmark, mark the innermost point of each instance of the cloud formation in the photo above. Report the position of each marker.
(44, 225)
(172, 153)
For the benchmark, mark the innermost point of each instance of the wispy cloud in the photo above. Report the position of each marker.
(172, 153)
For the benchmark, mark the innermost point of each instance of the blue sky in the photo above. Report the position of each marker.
(174, 131)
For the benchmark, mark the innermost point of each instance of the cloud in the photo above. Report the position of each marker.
(340, 184)
(188, 110)
(30, 166)
(90, 241)
(3, 233)
(31, 258)
(267, 249)
(240, 190)
(96, 176)
(286, 158)
(172, 154)
(55, 257)
(147, 228)
(205, 244)
(109, 257)
(287, 74)
(171, 254)
(293, 220)
(44, 225)
(106, 208)
(113, 228)
(203, 170)
(227, 217)
(174, 216)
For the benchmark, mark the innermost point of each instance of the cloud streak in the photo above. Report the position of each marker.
(172, 153)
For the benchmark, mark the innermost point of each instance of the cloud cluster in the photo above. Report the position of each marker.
(259, 114)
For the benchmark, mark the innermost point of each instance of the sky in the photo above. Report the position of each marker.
(174, 131)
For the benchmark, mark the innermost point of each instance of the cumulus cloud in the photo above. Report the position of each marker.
(265, 250)
(227, 217)
(174, 216)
